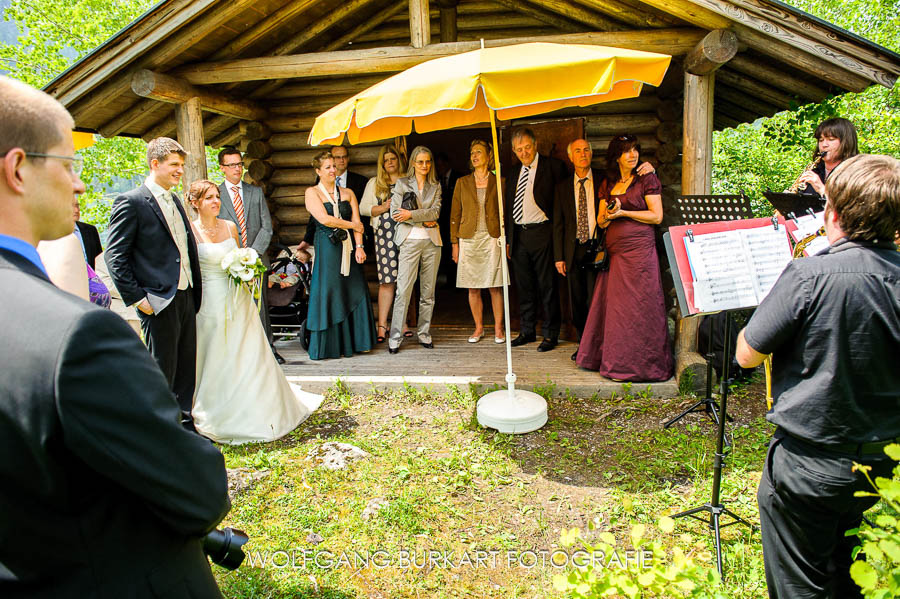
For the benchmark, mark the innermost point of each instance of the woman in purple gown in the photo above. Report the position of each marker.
(626, 337)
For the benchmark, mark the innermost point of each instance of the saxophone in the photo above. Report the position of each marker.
(796, 186)
(801, 245)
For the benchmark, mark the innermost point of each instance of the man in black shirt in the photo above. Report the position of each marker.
(832, 324)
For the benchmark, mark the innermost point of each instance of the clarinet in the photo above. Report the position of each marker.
(796, 186)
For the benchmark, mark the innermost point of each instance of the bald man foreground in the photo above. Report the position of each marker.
(102, 492)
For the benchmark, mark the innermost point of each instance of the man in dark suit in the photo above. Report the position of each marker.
(245, 205)
(529, 193)
(575, 212)
(152, 259)
(447, 177)
(90, 237)
(102, 493)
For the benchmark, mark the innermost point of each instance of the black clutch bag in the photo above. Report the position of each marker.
(596, 257)
(410, 201)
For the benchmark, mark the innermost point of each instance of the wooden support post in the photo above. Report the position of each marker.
(419, 23)
(696, 178)
(189, 123)
(448, 20)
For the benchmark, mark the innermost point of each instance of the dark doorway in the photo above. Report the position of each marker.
(553, 137)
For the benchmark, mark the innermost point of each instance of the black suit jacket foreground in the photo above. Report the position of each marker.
(91, 238)
(565, 216)
(141, 254)
(102, 493)
(550, 171)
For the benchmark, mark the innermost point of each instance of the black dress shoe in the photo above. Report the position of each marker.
(575, 353)
(427, 345)
(278, 357)
(393, 350)
(522, 340)
(547, 345)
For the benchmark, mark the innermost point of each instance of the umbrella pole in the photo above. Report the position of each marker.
(510, 375)
(511, 410)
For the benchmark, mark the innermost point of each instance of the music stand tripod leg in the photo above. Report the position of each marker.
(715, 507)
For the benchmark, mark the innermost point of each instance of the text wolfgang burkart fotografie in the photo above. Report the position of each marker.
(429, 559)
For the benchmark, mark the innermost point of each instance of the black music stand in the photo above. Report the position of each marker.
(701, 209)
(797, 203)
(714, 507)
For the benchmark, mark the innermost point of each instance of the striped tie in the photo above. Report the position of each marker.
(239, 211)
(519, 203)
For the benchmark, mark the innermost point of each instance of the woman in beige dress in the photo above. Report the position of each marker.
(475, 238)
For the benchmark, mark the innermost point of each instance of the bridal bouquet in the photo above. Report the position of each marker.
(244, 268)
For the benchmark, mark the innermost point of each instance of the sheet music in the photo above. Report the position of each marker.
(736, 269)
(808, 224)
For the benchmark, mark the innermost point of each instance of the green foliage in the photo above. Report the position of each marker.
(651, 574)
(53, 34)
(879, 575)
(770, 153)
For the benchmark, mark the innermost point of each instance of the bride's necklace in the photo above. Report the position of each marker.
(211, 233)
(482, 179)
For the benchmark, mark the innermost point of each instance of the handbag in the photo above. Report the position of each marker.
(596, 257)
(410, 201)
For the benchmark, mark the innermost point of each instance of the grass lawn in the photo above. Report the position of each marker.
(469, 512)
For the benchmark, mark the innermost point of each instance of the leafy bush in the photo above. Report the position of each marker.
(651, 574)
(879, 575)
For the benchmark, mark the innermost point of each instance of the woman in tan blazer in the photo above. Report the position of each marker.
(475, 238)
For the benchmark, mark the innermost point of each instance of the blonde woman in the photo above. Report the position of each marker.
(474, 236)
(376, 203)
(419, 240)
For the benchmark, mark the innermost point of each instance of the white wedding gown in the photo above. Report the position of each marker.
(241, 394)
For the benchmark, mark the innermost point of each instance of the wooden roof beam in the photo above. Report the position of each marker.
(448, 20)
(574, 12)
(545, 16)
(165, 88)
(777, 78)
(343, 11)
(262, 30)
(636, 17)
(398, 58)
(769, 38)
(714, 50)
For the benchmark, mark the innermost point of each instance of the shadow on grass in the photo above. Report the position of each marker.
(620, 441)
(271, 582)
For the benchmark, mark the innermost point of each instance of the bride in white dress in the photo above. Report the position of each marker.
(241, 394)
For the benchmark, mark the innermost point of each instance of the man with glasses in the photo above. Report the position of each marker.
(102, 493)
(152, 258)
(245, 205)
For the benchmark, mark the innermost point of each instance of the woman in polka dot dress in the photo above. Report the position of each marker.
(376, 203)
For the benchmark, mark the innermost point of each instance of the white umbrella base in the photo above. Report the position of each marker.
(523, 412)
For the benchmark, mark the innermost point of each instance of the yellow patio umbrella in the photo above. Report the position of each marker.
(505, 82)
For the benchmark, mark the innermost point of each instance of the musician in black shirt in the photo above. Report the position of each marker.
(832, 324)
(835, 142)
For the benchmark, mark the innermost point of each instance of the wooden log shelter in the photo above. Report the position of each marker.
(255, 74)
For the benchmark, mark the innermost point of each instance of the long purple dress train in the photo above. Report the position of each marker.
(626, 336)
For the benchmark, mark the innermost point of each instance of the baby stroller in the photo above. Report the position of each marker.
(288, 305)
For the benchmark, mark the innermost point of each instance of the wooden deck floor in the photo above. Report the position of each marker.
(453, 361)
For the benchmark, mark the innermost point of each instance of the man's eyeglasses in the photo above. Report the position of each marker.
(240, 164)
(76, 162)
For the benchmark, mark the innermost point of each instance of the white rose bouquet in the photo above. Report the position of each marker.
(244, 268)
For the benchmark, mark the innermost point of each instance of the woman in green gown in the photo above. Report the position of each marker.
(340, 318)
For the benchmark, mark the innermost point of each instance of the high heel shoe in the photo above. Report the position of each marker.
(380, 338)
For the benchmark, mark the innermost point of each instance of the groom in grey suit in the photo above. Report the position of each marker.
(419, 239)
(256, 230)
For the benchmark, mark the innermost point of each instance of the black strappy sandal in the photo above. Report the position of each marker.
(380, 338)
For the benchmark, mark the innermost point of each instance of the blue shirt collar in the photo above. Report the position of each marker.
(23, 248)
